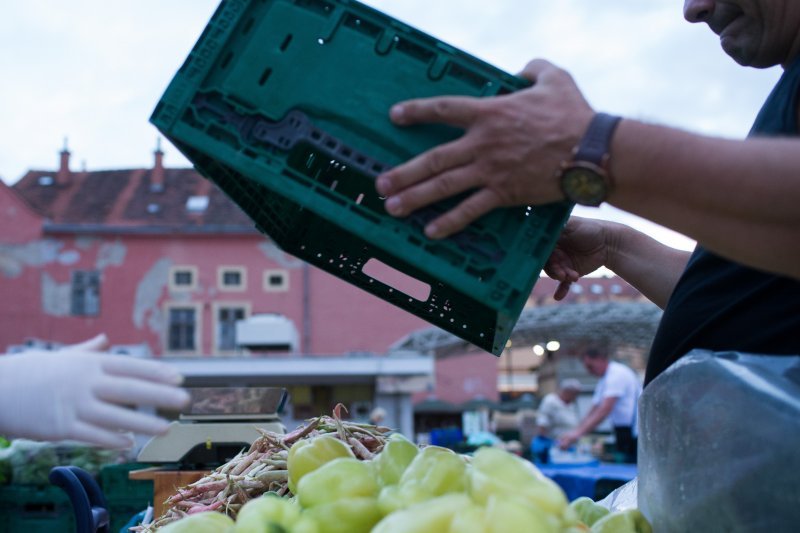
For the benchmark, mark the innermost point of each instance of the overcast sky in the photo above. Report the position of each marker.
(92, 70)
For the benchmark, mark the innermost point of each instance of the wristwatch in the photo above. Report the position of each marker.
(585, 179)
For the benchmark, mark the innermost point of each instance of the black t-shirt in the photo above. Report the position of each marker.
(721, 305)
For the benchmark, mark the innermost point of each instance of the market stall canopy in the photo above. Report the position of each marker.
(525, 402)
(434, 406)
(477, 404)
(614, 323)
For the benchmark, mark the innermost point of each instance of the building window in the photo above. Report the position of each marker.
(197, 204)
(85, 293)
(226, 316)
(183, 278)
(182, 329)
(276, 280)
(232, 278)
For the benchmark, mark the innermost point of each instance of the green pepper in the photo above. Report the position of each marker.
(205, 522)
(389, 499)
(350, 515)
(514, 516)
(497, 472)
(434, 471)
(267, 514)
(397, 454)
(307, 455)
(434, 515)
(470, 519)
(305, 524)
(587, 510)
(628, 521)
(342, 478)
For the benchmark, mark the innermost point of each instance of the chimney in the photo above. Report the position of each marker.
(157, 175)
(62, 178)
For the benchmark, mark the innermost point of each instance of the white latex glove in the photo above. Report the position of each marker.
(78, 393)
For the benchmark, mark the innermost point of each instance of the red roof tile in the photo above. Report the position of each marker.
(124, 198)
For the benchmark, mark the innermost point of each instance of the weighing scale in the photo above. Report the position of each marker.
(216, 425)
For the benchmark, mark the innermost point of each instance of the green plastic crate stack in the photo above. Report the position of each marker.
(125, 497)
(284, 105)
(4, 512)
(116, 484)
(35, 509)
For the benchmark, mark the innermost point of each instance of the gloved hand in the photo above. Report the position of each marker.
(79, 393)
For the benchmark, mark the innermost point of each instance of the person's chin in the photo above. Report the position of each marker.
(730, 39)
(738, 51)
(734, 52)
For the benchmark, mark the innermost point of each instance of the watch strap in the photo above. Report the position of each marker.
(596, 142)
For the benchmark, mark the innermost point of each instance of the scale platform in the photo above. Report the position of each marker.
(216, 425)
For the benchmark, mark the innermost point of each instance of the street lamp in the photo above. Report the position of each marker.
(548, 349)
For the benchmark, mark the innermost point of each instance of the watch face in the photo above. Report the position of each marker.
(584, 184)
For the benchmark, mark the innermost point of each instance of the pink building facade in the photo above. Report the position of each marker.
(164, 264)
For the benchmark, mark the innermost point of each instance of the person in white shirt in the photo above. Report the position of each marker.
(616, 397)
(558, 413)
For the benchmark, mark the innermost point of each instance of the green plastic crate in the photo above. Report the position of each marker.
(284, 105)
(32, 509)
(125, 497)
(121, 510)
(4, 514)
(116, 484)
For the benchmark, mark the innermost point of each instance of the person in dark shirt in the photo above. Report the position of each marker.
(738, 199)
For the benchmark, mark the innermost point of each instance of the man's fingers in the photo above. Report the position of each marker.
(425, 166)
(562, 290)
(535, 68)
(440, 187)
(475, 206)
(458, 111)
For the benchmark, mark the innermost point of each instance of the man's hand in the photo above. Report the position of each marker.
(568, 439)
(510, 153)
(582, 248)
(78, 393)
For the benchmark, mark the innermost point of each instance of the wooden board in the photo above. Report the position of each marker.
(166, 483)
